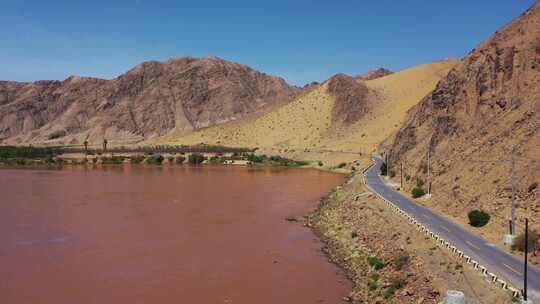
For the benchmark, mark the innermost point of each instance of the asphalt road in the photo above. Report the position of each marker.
(505, 265)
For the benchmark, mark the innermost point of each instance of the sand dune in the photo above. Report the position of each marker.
(304, 128)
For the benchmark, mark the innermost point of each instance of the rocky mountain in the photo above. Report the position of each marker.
(351, 98)
(150, 100)
(487, 107)
(374, 74)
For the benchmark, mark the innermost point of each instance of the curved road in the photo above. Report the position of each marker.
(505, 265)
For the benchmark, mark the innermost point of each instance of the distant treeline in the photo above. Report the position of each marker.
(13, 152)
(160, 149)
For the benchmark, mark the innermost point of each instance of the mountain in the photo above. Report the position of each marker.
(485, 108)
(341, 114)
(151, 100)
(374, 74)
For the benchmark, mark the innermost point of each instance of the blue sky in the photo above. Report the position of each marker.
(300, 40)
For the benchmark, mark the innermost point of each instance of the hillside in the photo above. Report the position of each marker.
(150, 100)
(485, 108)
(343, 114)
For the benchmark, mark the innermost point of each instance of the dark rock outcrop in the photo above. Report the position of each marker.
(374, 74)
(351, 98)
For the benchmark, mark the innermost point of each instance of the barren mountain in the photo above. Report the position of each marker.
(350, 98)
(150, 100)
(374, 74)
(342, 114)
(486, 107)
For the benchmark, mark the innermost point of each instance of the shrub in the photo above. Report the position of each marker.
(519, 242)
(417, 192)
(391, 290)
(401, 261)
(532, 187)
(354, 234)
(275, 158)
(320, 164)
(196, 158)
(372, 285)
(136, 159)
(155, 159)
(478, 218)
(375, 263)
(342, 165)
(113, 160)
(384, 169)
(256, 158)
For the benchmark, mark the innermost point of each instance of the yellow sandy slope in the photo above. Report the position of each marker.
(303, 128)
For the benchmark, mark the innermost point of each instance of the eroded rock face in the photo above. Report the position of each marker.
(487, 105)
(374, 74)
(150, 100)
(351, 98)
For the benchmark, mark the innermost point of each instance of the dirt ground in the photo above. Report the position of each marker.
(386, 258)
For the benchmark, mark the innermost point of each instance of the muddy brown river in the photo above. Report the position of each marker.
(136, 234)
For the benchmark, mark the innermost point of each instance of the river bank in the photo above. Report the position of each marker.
(387, 260)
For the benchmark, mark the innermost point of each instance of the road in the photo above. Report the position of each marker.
(505, 265)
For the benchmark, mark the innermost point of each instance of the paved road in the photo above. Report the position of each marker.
(505, 265)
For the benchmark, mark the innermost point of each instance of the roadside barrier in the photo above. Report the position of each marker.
(443, 243)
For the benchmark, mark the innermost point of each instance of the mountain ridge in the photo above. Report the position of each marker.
(149, 100)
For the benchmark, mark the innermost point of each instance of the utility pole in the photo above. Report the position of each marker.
(526, 254)
(388, 170)
(429, 170)
(401, 171)
(513, 226)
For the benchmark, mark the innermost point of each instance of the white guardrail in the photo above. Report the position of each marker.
(445, 244)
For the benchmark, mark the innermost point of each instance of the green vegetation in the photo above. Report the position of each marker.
(400, 262)
(29, 152)
(372, 285)
(155, 159)
(274, 160)
(196, 158)
(320, 164)
(417, 192)
(342, 165)
(354, 234)
(391, 290)
(136, 159)
(478, 218)
(384, 169)
(114, 160)
(519, 242)
(375, 263)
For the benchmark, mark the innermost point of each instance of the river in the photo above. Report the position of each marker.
(164, 234)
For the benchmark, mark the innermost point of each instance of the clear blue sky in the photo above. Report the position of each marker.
(299, 40)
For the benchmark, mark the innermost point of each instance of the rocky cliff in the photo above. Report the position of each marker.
(485, 108)
(150, 100)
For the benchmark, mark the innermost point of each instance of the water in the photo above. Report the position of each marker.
(136, 234)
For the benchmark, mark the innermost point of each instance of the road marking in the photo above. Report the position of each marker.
(515, 271)
(472, 245)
